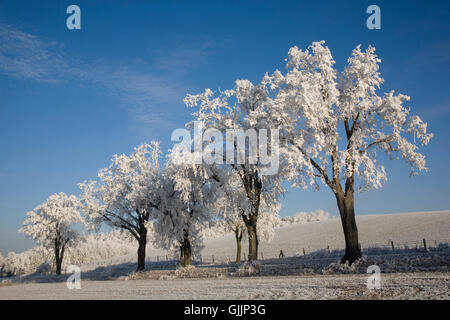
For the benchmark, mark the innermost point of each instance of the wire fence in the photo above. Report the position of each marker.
(307, 253)
(324, 251)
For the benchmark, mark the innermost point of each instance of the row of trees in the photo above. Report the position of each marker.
(94, 248)
(330, 125)
(87, 249)
(169, 205)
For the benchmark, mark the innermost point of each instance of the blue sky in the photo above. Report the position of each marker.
(70, 99)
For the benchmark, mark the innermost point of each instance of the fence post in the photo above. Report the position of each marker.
(304, 253)
(328, 248)
(392, 244)
(212, 258)
(425, 244)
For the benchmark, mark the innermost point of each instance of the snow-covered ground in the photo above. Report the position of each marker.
(408, 271)
(393, 286)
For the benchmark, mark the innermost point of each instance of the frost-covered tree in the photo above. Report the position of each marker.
(31, 260)
(96, 247)
(305, 217)
(2, 264)
(333, 125)
(13, 263)
(237, 226)
(126, 194)
(239, 111)
(51, 224)
(185, 210)
(231, 205)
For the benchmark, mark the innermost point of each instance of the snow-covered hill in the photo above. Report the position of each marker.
(404, 229)
(375, 230)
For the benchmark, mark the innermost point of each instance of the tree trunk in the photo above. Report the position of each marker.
(252, 242)
(347, 213)
(58, 265)
(253, 186)
(181, 254)
(238, 245)
(59, 254)
(141, 249)
(141, 255)
(187, 251)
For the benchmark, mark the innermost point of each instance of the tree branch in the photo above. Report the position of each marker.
(315, 165)
(387, 139)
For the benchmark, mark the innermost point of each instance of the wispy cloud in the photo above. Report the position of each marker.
(437, 112)
(23, 55)
(435, 54)
(185, 55)
(27, 56)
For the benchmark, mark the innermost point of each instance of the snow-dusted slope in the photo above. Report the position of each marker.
(404, 229)
(374, 230)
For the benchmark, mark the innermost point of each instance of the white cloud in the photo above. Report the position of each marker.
(23, 55)
(185, 56)
(26, 56)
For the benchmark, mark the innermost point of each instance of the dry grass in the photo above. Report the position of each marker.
(6, 284)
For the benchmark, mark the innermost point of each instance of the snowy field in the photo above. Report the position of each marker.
(408, 271)
(394, 286)
(374, 230)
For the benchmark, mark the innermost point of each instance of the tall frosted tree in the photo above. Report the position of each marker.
(126, 194)
(241, 111)
(2, 263)
(231, 204)
(187, 204)
(333, 125)
(51, 224)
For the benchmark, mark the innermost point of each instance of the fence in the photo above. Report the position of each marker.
(327, 251)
